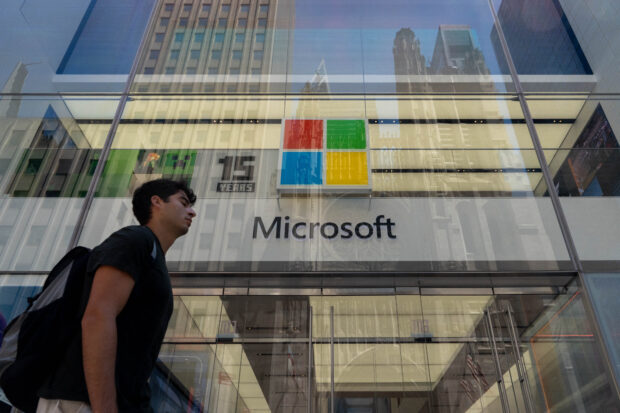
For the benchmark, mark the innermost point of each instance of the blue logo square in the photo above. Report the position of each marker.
(302, 168)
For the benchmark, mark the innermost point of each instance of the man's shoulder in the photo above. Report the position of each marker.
(140, 232)
(133, 236)
(129, 249)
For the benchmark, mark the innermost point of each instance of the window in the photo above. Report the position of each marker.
(233, 71)
(194, 54)
(190, 71)
(245, 8)
(187, 7)
(174, 54)
(260, 38)
(258, 55)
(239, 38)
(225, 8)
(256, 71)
(243, 22)
(231, 88)
(178, 37)
(219, 38)
(170, 70)
(154, 54)
(169, 6)
(159, 37)
(264, 8)
(199, 37)
(213, 71)
(183, 22)
(262, 22)
(202, 22)
(206, 8)
(222, 22)
(164, 21)
(237, 54)
(149, 70)
(216, 54)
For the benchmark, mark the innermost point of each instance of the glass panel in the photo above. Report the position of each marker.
(471, 160)
(333, 173)
(70, 46)
(325, 47)
(423, 46)
(256, 359)
(49, 148)
(392, 354)
(373, 368)
(602, 289)
(575, 50)
(546, 353)
(199, 53)
(564, 359)
(583, 155)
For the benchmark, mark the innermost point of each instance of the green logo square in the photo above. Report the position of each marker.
(346, 134)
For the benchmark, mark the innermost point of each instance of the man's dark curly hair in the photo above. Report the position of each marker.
(163, 188)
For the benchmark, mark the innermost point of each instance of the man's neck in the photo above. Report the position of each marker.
(166, 239)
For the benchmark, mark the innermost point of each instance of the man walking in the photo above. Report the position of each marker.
(128, 309)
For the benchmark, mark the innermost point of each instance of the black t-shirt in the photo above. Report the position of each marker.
(141, 325)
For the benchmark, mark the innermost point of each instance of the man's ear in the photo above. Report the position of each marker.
(156, 201)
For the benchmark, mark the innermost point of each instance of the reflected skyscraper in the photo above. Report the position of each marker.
(232, 43)
(456, 52)
(408, 60)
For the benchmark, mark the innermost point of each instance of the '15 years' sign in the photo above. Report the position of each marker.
(237, 174)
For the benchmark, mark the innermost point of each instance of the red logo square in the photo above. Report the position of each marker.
(303, 134)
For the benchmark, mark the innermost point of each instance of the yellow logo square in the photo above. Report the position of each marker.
(346, 168)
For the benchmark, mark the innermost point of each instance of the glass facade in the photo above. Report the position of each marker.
(402, 205)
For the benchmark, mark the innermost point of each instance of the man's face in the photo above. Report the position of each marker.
(177, 213)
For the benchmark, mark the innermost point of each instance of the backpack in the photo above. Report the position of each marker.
(34, 342)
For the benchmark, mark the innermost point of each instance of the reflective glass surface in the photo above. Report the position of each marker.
(353, 182)
(562, 45)
(382, 353)
(603, 288)
(69, 45)
(232, 48)
(583, 158)
(323, 47)
(49, 148)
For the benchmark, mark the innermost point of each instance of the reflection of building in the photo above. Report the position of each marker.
(408, 58)
(236, 39)
(456, 52)
(408, 61)
(540, 39)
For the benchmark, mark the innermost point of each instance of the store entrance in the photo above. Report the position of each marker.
(422, 352)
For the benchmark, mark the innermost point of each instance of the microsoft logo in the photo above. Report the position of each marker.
(324, 155)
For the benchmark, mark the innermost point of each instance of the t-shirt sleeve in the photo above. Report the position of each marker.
(127, 250)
